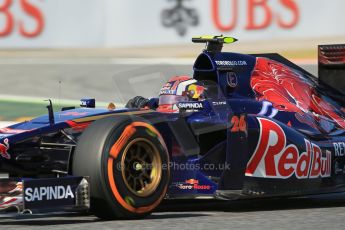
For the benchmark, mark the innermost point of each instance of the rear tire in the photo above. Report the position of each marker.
(127, 162)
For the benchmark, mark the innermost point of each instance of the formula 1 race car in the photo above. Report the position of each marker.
(261, 127)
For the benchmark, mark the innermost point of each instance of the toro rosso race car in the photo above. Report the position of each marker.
(245, 126)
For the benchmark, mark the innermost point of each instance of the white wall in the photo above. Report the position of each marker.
(107, 23)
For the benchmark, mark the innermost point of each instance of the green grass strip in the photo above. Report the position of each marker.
(12, 111)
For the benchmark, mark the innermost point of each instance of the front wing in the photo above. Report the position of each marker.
(29, 195)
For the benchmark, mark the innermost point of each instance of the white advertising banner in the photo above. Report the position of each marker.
(109, 23)
(52, 23)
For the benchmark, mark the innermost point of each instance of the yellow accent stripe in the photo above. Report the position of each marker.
(210, 37)
(205, 37)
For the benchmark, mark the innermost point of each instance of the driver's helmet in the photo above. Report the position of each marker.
(179, 89)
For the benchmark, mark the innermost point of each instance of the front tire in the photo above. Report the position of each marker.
(127, 162)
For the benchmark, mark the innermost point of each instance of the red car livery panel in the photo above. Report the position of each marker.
(289, 91)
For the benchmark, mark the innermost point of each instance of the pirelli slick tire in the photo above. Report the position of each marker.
(127, 162)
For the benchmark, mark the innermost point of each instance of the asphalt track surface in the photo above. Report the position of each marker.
(324, 213)
(108, 81)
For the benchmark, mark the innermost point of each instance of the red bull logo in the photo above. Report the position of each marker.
(4, 148)
(273, 158)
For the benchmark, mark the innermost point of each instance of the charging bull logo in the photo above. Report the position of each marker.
(192, 181)
(4, 148)
(273, 158)
(289, 91)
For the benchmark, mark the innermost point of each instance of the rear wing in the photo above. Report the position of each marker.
(332, 67)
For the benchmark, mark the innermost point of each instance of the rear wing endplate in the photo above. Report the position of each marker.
(332, 66)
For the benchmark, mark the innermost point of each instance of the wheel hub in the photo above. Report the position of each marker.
(141, 167)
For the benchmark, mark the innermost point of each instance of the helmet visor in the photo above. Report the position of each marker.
(171, 99)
